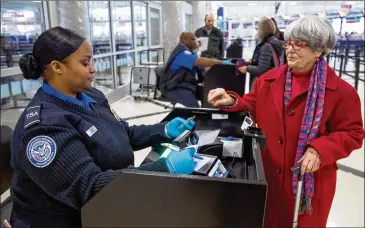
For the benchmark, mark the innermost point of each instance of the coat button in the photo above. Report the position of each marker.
(291, 112)
(278, 170)
(281, 140)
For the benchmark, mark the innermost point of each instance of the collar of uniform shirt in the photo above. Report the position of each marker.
(81, 99)
(185, 46)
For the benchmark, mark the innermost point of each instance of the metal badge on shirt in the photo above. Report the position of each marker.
(91, 131)
(115, 114)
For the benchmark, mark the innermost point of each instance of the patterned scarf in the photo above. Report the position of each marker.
(310, 124)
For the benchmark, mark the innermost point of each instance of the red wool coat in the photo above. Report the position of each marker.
(340, 133)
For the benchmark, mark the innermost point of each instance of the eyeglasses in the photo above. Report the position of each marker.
(297, 46)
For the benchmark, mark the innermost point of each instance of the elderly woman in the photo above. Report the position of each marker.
(311, 118)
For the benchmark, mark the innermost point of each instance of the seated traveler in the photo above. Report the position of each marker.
(179, 78)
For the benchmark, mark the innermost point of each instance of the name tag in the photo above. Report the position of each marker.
(91, 131)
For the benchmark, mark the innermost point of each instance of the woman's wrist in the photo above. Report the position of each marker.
(233, 103)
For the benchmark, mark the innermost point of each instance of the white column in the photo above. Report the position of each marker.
(72, 15)
(171, 23)
(200, 9)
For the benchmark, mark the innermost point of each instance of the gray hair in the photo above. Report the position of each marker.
(316, 31)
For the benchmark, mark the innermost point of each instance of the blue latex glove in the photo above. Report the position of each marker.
(175, 127)
(226, 62)
(182, 162)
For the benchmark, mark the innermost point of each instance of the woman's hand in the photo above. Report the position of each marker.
(219, 97)
(243, 69)
(311, 161)
(6, 224)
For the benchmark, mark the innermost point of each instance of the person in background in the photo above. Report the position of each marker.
(311, 118)
(216, 41)
(179, 78)
(268, 53)
(68, 143)
(279, 34)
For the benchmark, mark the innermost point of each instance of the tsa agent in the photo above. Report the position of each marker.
(180, 77)
(68, 143)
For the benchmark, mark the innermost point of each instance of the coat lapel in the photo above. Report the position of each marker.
(277, 89)
(277, 83)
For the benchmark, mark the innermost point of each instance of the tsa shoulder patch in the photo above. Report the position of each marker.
(186, 52)
(32, 116)
(41, 151)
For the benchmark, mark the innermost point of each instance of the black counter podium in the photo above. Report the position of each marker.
(149, 199)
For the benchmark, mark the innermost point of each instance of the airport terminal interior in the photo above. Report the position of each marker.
(132, 38)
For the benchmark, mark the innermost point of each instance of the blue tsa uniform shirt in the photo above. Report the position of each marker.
(185, 59)
(65, 149)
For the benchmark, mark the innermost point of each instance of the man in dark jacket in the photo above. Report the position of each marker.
(215, 44)
(179, 78)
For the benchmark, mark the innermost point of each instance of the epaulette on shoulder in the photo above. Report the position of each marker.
(32, 115)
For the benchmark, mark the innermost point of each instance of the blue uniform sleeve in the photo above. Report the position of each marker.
(144, 136)
(184, 59)
(56, 159)
(141, 136)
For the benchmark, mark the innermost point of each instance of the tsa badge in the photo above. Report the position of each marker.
(41, 151)
(115, 115)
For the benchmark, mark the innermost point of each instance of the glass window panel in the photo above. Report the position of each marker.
(100, 26)
(124, 64)
(21, 24)
(155, 27)
(142, 57)
(122, 25)
(103, 75)
(157, 56)
(140, 15)
(16, 91)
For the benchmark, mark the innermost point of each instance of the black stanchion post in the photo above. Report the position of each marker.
(357, 71)
(347, 50)
(341, 65)
(334, 61)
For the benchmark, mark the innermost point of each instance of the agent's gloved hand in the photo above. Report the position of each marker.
(175, 127)
(182, 162)
(227, 62)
